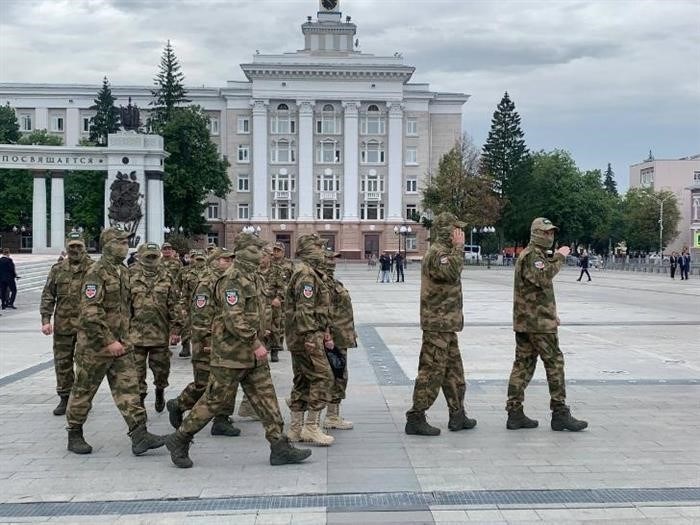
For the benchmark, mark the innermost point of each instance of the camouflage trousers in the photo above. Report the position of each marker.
(157, 358)
(527, 347)
(220, 394)
(63, 356)
(313, 377)
(276, 337)
(340, 384)
(439, 367)
(200, 370)
(91, 366)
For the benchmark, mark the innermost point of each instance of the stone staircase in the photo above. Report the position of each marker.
(33, 271)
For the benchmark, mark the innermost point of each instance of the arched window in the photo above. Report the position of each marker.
(372, 152)
(282, 121)
(282, 107)
(373, 107)
(328, 107)
(373, 122)
(329, 123)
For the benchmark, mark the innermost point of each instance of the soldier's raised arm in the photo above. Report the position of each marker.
(539, 269)
(446, 265)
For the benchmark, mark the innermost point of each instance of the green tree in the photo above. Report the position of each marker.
(40, 137)
(9, 127)
(641, 209)
(192, 171)
(169, 92)
(462, 188)
(84, 192)
(106, 120)
(609, 182)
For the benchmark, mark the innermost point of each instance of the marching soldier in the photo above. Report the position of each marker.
(238, 356)
(188, 279)
(61, 299)
(535, 323)
(103, 349)
(280, 273)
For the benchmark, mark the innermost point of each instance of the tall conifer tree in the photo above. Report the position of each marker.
(106, 120)
(609, 181)
(170, 91)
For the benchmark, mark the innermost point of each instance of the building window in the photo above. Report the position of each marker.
(328, 152)
(373, 122)
(372, 152)
(411, 243)
(696, 207)
(243, 125)
(411, 127)
(412, 185)
(411, 156)
(25, 122)
(244, 153)
(283, 182)
(328, 211)
(283, 211)
(371, 183)
(696, 176)
(372, 211)
(329, 123)
(328, 182)
(213, 238)
(214, 125)
(243, 212)
(243, 182)
(86, 125)
(26, 241)
(410, 211)
(646, 177)
(212, 211)
(282, 152)
(282, 122)
(56, 123)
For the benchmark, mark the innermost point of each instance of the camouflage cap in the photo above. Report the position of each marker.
(267, 249)
(246, 240)
(218, 253)
(308, 241)
(211, 247)
(447, 219)
(542, 224)
(166, 245)
(198, 254)
(278, 246)
(330, 253)
(150, 248)
(75, 238)
(113, 234)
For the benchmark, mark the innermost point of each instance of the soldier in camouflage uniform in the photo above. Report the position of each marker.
(440, 362)
(188, 279)
(238, 356)
(202, 314)
(103, 348)
(535, 323)
(61, 299)
(156, 320)
(280, 273)
(343, 333)
(171, 262)
(307, 329)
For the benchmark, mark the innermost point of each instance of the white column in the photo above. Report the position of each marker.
(350, 148)
(41, 118)
(58, 216)
(395, 161)
(155, 211)
(260, 179)
(306, 160)
(39, 213)
(72, 126)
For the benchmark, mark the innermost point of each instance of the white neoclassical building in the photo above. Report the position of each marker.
(325, 139)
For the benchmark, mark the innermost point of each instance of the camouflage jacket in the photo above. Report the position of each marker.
(307, 305)
(268, 295)
(342, 319)
(105, 306)
(279, 275)
(202, 310)
(441, 289)
(238, 326)
(61, 295)
(188, 280)
(173, 267)
(534, 306)
(155, 307)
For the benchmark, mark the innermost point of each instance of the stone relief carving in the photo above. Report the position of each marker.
(125, 205)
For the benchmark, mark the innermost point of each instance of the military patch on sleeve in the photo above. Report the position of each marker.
(90, 291)
(539, 265)
(232, 297)
(200, 300)
(308, 291)
(444, 259)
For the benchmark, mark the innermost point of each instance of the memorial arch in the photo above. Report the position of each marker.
(133, 188)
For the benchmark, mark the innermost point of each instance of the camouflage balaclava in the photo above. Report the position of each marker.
(247, 250)
(113, 250)
(149, 257)
(442, 228)
(330, 261)
(538, 237)
(197, 259)
(309, 250)
(75, 248)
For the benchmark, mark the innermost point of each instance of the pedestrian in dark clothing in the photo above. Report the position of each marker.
(673, 264)
(583, 263)
(8, 287)
(399, 263)
(385, 267)
(684, 263)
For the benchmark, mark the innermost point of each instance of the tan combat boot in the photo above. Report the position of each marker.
(333, 418)
(311, 431)
(295, 426)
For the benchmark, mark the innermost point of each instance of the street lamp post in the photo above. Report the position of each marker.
(253, 230)
(402, 231)
(483, 230)
(661, 225)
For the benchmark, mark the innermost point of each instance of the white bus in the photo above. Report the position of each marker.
(472, 253)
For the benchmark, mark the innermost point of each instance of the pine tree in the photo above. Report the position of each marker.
(9, 127)
(169, 91)
(609, 181)
(106, 120)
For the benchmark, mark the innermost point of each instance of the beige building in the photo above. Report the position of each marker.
(682, 177)
(326, 139)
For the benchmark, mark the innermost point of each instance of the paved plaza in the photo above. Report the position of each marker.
(631, 345)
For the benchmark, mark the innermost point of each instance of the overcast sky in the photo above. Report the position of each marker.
(607, 80)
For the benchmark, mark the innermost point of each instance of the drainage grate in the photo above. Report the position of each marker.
(356, 502)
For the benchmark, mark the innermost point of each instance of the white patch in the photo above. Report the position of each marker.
(444, 260)
(539, 265)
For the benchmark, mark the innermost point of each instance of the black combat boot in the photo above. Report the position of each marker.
(142, 440)
(563, 420)
(460, 421)
(76, 442)
(417, 425)
(178, 444)
(517, 419)
(185, 352)
(160, 399)
(142, 399)
(283, 453)
(60, 410)
(274, 355)
(174, 412)
(223, 426)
